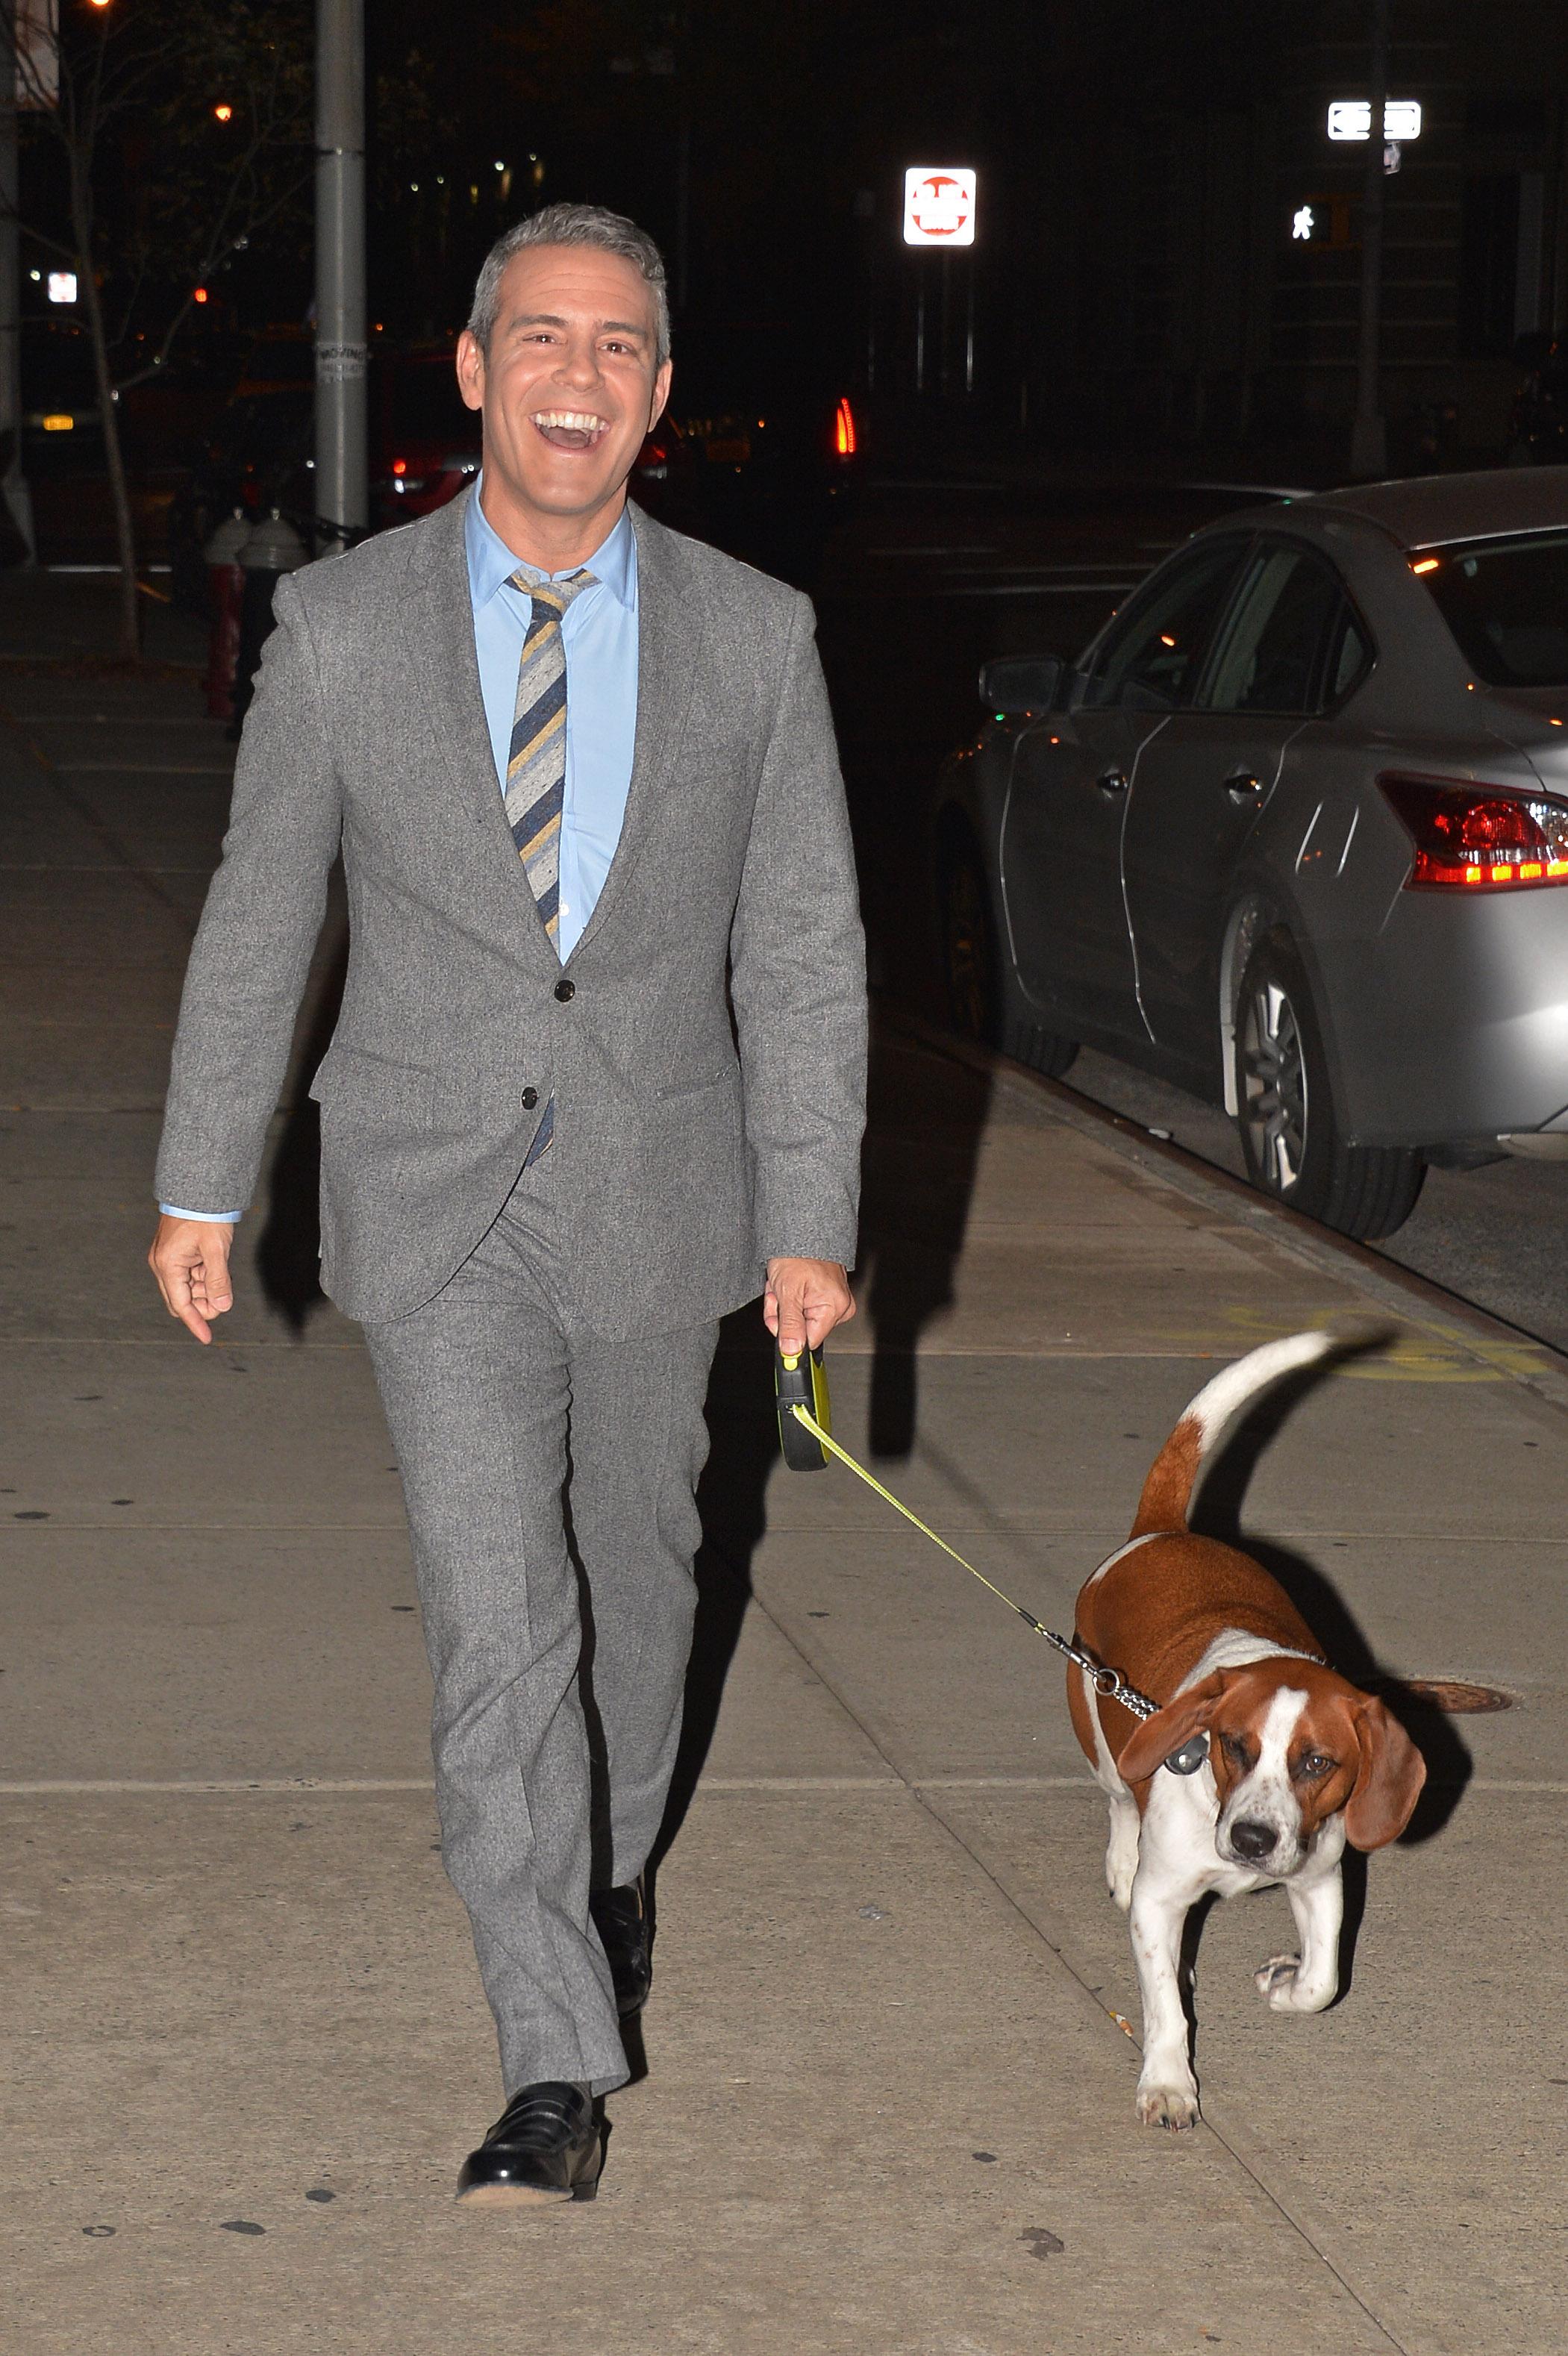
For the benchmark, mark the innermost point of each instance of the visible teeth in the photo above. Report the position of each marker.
(578, 420)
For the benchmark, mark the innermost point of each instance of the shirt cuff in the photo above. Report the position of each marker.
(207, 1218)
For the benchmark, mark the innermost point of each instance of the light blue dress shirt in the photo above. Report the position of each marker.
(599, 635)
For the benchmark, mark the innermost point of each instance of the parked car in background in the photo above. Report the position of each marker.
(776, 439)
(1292, 832)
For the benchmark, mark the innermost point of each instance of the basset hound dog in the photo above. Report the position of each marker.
(1261, 1762)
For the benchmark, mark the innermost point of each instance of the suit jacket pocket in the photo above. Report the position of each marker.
(353, 1085)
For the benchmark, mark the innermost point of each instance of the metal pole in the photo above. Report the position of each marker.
(342, 487)
(1369, 443)
(13, 482)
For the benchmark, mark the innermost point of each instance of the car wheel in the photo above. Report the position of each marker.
(972, 965)
(1291, 1137)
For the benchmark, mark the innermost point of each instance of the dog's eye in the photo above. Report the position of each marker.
(1315, 1765)
(1235, 1750)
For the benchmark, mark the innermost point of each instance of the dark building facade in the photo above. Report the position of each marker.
(1170, 243)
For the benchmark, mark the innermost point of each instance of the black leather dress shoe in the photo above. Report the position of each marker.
(626, 1930)
(544, 2147)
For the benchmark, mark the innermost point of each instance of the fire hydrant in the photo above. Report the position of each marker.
(272, 549)
(225, 588)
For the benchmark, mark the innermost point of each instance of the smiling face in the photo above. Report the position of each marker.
(567, 392)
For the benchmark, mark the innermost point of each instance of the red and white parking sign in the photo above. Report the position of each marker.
(938, 205)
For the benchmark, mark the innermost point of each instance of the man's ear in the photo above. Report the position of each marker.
(658, 400)
(1169, 1727)
(470, 371)
(1388, 1782)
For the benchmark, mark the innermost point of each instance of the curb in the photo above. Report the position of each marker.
(1531, 1364)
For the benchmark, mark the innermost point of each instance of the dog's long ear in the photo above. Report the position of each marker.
(1388, 1782)
(1169, 1727)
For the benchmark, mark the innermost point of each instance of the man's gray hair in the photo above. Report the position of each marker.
(572, 225)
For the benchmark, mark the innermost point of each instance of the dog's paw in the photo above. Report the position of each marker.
(1280, 1983)
(1173, 2107)
(1276, 1980)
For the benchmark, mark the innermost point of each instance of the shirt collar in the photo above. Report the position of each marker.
(491, 563)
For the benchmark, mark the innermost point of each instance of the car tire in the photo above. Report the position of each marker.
(977, 995)
(972, 970)
(1292, 1141)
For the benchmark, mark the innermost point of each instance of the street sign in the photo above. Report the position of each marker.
(1351, 118)
(938, 205)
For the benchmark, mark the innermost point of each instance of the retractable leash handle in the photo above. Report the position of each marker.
(800, 1380)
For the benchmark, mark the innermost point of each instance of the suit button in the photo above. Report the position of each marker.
(565, 989)
(529, 1098)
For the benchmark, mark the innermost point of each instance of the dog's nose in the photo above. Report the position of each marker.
(1252, 1840)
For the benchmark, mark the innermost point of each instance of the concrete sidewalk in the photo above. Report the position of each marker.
(889, 2107)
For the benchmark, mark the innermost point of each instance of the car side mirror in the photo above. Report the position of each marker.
(1011, 685)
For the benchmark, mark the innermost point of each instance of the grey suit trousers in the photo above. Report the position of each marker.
(494, 1396)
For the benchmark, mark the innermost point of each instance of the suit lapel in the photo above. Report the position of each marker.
(445, 666)
(668, 640)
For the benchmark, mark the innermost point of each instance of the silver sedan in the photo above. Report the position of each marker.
(1294, 833)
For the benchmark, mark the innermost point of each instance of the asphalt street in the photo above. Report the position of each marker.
(923, 584)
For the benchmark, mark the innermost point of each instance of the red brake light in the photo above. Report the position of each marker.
(400, 465)
(1477, 838)
(844, 430)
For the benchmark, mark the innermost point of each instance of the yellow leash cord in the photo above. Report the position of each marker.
(1109, 1682)
(803, 1415)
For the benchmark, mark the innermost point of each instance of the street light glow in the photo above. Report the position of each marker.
(223, 111)
(1351, 118)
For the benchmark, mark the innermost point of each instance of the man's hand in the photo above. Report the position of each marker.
(804, 1300)
(191, 1260)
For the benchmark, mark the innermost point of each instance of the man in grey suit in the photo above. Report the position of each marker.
(598, 1079)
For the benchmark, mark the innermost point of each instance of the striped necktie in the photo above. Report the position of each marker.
(536, 765)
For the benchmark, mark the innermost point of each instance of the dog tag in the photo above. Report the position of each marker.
(1190, 1757)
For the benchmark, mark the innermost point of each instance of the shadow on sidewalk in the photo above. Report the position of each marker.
(1218, 1514)
(919, 1164)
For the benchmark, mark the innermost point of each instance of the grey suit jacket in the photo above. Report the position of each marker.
(683, 1161)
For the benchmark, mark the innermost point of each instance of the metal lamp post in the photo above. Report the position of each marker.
(1368, 440)
(342, 486)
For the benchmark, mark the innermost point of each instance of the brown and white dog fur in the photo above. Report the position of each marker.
(1299, 1762)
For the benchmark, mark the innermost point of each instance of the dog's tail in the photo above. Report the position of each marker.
(1167, 1491)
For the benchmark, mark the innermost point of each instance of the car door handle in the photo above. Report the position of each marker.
(1111, 782)
(1244, 787)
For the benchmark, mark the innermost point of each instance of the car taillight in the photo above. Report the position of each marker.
(844, 429)
(400, 465)
(1475, 838)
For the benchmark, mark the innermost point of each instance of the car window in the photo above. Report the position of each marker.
(1349, 660)
(1270, 658)
(1505, 603)
(1150, 659)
